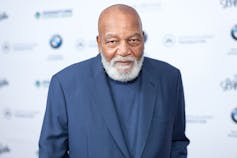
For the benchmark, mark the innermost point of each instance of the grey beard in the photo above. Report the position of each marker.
(113, 73)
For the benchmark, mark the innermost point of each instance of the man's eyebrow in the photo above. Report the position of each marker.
(135, 34)
(110, 35)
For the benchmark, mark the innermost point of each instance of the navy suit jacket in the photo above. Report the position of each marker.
(81, 121)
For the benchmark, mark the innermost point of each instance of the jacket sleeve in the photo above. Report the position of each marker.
(179, 140)
(53, 142)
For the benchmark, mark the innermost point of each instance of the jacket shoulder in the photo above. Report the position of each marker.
(76, 71)
(160, 67)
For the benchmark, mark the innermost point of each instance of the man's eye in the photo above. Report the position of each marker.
(134, 41)
(111, 42)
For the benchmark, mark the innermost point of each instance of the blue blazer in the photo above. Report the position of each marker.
(81, 121)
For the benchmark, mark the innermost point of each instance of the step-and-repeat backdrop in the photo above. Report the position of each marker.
(39, 38)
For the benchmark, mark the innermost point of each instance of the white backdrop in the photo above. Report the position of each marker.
(193, 35)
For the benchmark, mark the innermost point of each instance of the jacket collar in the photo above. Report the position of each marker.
(148, 98)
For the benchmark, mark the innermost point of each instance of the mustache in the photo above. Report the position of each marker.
(123, 59)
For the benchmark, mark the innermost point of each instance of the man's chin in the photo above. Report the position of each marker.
(122, 73)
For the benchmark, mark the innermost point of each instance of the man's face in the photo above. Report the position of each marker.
(121, 42)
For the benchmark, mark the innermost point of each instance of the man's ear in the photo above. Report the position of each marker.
(98, 40)
(144, 36)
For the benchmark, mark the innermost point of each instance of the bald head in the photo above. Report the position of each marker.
(118, 13)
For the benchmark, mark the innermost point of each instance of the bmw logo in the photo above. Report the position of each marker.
(234, 32)
(56, 41)
(234, 115)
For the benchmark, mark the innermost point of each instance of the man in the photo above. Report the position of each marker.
(119, 104)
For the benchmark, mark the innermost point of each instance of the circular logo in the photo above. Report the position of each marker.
(37, 83)
(169, 40)
(56, 41)
(5, 47)
(80, 44)
(37, 15)
(234, 32)
(234, 115)
(7, 113)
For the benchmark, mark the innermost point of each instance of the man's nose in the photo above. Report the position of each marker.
(124, 49)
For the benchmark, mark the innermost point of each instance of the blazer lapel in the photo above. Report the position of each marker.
(148, 97)
(105, 105)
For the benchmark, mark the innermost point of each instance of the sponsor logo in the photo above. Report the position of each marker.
(229, 84)
(170, 40)
(24, 46)
(3, 83)
(233, 134)
(42, 83)
(232, 51)
(234, 115)
(7, 47)
(228, 3)
(199, 119)
(51, 14)
(4, 149)
(56, 41)
(9, 114)
(3, 16)
(234, 32)
(82, 43)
